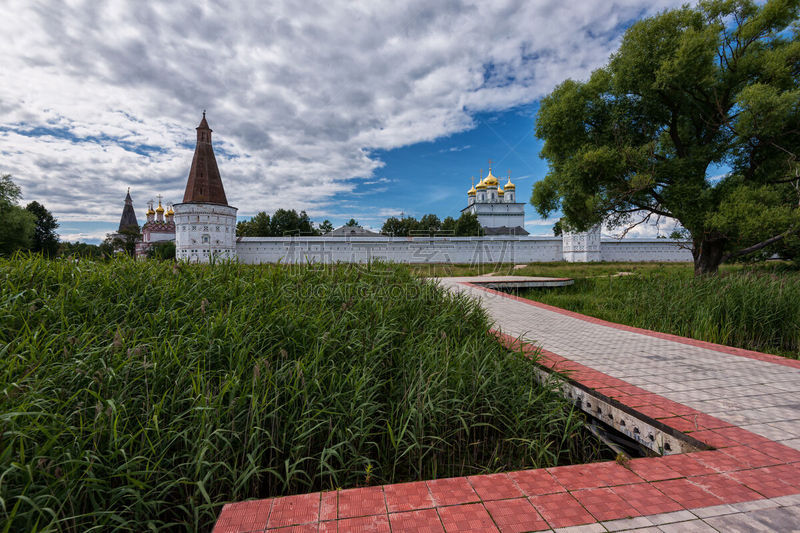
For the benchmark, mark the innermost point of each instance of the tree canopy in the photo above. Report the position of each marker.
(283, 222)
(123, 241)
(17, 225)
(430, 225)
(688, 91)
(45, 238)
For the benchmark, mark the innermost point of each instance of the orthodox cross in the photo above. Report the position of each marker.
(490, 165)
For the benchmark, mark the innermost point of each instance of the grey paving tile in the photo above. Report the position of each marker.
(668, 518)
(692, 526)
(588, 528)
(778, 519)
(627, 523)
(716, 510)
(755, 505)
(736, 523)
(784, 501)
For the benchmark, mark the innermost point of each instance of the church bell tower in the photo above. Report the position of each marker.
(205, 223)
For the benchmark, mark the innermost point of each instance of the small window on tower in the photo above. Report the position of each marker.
(206, 238)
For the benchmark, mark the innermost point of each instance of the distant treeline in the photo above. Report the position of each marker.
(466, 225)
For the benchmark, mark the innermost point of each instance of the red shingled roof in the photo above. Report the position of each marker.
(204, 184)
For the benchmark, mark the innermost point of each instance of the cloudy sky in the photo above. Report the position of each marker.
(363, 109)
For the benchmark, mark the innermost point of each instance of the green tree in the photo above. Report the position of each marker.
(123, 241)
(429, 224)
(164, 250)
(289, 222)
(400, 227)
(257, 226)
(687, 90)
(79, 249)
(45, 238)
(391, 226)
(17, 225)
(326, 226)
(448, 226)
(467, 225)
(351, 223)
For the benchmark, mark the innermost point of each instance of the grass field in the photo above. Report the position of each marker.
(555, 269)
(752, 307)
(143, 396)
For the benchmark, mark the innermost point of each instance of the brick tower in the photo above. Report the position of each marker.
(205, 223)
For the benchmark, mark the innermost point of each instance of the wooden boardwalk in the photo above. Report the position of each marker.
(743, 404)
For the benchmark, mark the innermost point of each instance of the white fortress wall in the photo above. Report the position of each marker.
(302, 249)
(653, 250)
(432, 250)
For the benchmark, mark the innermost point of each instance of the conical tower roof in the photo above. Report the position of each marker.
(128, 218)
(204, 184)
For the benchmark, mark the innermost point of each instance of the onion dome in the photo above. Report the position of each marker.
(170, 212)
(159, 209)
(150, 210)
(480, 186)
(490, 180)
(472, 191)
(509, 185)
(500, 192)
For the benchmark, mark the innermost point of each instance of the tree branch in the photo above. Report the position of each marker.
(756, 247)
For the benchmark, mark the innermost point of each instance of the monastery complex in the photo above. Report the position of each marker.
(203, 227)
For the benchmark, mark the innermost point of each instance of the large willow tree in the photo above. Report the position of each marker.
(689, 90)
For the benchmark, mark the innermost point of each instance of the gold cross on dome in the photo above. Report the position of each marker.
(490, 165)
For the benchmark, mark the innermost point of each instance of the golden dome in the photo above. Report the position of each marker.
(490, 180)
(150, 211)
(480, 186)
(510, 185)
(159, 209)
(170, 212)
(472, 191)
(500, 192)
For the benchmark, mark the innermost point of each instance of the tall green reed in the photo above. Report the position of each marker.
(756, 309)
(143, 396)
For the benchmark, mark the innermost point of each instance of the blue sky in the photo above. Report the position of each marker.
(337, 108)
(433, 177)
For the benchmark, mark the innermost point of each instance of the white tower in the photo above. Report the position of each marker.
(583, 247)
(205, 223)
(471, 193)
(510, 189)
(480, 188)
(492, 195)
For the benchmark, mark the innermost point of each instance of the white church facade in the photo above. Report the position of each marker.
(205, 230)
(496, 207)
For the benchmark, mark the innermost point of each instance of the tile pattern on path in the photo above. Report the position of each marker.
(742, 403)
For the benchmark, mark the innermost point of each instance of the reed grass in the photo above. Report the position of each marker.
(756, 308)
(143, 396)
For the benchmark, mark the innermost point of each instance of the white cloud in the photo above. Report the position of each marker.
(86, 236)
(639, 229)
(299, 93)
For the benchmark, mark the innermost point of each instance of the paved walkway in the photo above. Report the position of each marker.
(745, 404)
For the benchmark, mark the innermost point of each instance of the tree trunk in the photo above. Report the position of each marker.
(708, 254)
